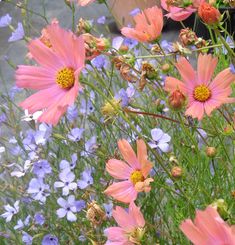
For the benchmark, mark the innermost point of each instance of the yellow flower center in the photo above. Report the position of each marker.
(65, 77)
(201, 93)
(136, 177)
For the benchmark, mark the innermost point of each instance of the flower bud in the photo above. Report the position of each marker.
(83, 26)
(110, 108)
(209, 14)
(176, 172)
(149, 71)
(166, 67)
(176, 100)
(211, 151)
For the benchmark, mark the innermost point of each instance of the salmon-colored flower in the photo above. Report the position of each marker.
(208, 229)
(56, 77)
(133, 173)
(131, 226)
(209, 14)
(204, 93)
(149, 24)
(178, 13)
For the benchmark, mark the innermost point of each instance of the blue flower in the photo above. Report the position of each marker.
(160, 140)
(108, 209)
(66, 182)
(26, 238)
(17, 34)
(68, 208)
(38, 189)
(39, 219)
(130, 43)
(21, 224)
(41, 168)
(65, 165)
(50, 240)
(86, 107)
(72, 113)
(76, 134)
(80, 204)
(232, 68)
(86, 179)
(90, 147)
(134, 12)
(100, 62)
(10, 211)
(101, 20)
(5, 20)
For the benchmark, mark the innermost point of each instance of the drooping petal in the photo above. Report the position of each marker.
(135, 212)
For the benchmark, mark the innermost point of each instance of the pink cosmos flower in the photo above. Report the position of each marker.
(178, 13)
(149, 24)
(130, 229)
(208, 229)
(56, 77)
(133, 173)
(204, 93)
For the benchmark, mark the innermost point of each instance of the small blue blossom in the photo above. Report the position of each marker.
(86, 179)
(90, 147)
(26, 238)
(39, 219)
(41, 168)
(76, 134)
(100, 62)
(134, 12)
(66, 182)
(5, 20)
(68, 208)
(108, 209)
(101, 20)
(17, 34)
(160, 140)
(130, 43)
(38, 189)
(86, 107)
(10, 211)
(50, 240)
(72, 113)
(80, 204)
(232, 68)
(21, 224)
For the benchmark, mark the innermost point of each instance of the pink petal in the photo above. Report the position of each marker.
(193, 233)
(45, 56)
(124, 220)
(34, 77)
(206, 66)
(186, 71)
(196, 110)
(122, 191)
(135, 212)
(223, 79)
(128, 154)
(115, 234)
(118, 169)
(172, 84)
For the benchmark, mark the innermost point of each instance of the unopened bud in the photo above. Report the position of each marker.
(176, 172)
(222, 207)
(211, 151)
(177, 100)
(166, 67)
(110, 108)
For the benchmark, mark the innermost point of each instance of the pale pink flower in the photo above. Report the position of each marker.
(204, 93)
(130, 227)
(133, 173)
(148, 28)
(56, 77)
(180, 13)
(208, 229)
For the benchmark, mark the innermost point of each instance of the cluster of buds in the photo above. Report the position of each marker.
(83, 26)
(125, 69)
(94, 46)
(188, 37)
(95, 214)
